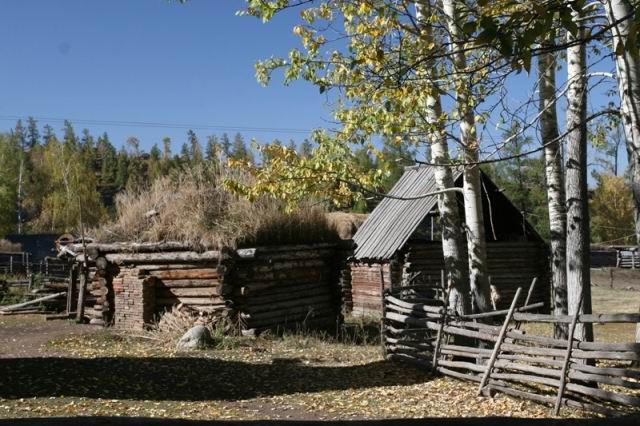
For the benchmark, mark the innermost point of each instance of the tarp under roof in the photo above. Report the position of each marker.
(393, 221)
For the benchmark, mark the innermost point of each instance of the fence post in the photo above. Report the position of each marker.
(30, 283)
(383, 310)
(81, 293)
(567, 359)
(501, 336)
(445, 296)
(71, 288)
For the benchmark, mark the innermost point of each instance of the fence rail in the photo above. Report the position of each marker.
(501, 357)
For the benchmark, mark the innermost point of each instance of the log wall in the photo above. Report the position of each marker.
(259, 289)
(287, 287)
(511, 265)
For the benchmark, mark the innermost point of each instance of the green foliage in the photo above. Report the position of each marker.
(523, 180)
(60, 175)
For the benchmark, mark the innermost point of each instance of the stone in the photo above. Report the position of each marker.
(197, 337)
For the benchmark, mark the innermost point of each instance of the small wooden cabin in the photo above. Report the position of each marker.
(399, 243)
(130, 285)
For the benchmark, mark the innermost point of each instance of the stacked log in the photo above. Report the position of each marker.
(536, 367)
(197, 286)
(510, 265)
(287, 287)
(259, 288)
(366, 284)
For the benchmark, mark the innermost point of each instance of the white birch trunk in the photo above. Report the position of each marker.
(555, 186)
(452, 236)
(578, 251)
(628, 73)
(472, 188)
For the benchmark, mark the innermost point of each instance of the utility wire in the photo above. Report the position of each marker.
(148, 124)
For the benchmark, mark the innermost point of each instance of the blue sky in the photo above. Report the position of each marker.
(148, 61)
(159, 62)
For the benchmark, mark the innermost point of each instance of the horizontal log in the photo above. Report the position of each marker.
(320, 300)
(293, 312)
(530, 307)
(134, 247)
(32, 302)
(409, 343)
(186, 283)
(186, 274)
(586, 318)
(296, 293)
(415, 306)
(147, 268)
(188, 292)
(548, 400)
(190, 301)
(163, 257)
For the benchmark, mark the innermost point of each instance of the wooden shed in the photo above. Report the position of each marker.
(400, 243)
(130, 285)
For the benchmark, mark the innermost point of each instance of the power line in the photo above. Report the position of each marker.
(147, 124)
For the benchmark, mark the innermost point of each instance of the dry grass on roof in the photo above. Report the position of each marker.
(198, 208)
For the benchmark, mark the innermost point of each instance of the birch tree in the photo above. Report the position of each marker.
(452, 236)
(472, 186)
(578, 268)
(555, 185)
(624, 30)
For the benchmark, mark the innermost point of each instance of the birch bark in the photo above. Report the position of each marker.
(472, 187)
(452, 235)
(555, 186)
(578, 251)
(620, 14)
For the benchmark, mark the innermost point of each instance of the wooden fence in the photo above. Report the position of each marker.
(495, 350)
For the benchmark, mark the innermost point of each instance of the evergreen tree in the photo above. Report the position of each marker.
(107, 157)
(195, 149)
(185, 155)
(225, 143)
(396, 156)
(240, 151)
(70, 139)
(138, 171)
(155, 163)
(122, 175)
(523, 180)
(48, 134)
(33, 135)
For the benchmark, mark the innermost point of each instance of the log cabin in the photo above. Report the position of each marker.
(399, 244)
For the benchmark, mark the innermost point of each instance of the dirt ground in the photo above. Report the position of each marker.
(27, 336)
(58, 369)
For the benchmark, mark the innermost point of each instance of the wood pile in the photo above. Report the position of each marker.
(592, 376)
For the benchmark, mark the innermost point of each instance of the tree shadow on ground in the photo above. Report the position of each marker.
(486, 421)
(188, 379)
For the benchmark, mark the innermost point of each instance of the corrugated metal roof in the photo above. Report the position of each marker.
(393, 221)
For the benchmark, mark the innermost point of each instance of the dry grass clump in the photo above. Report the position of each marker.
(8, 246)
(197, 207)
